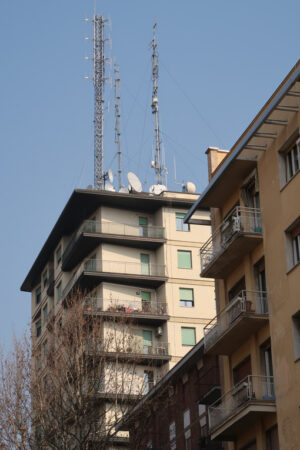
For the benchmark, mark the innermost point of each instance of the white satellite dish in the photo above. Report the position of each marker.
(157, 189)
(109, 187)
(124, 190)
(135, 184)
(110, 175)
(190, 187)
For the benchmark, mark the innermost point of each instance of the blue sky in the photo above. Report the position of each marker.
(219, 63)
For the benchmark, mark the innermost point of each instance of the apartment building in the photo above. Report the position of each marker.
(133, 257)
(253, 255)
(174, 413)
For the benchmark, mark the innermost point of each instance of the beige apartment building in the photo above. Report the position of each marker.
(134, 257)
(254, 257)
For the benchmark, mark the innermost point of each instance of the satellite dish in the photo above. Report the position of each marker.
(135, 184)
(124, 190)
(109, 187)
(157, 189)
(110, 175)
(190, 187)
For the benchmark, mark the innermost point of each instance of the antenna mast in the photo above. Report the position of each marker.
(156, 164)
(99, 81)
(117, 121)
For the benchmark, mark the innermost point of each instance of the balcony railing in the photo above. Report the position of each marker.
(127, 268)
(114, 228)
(245, 303)
(241, 220)
(142, 307)
(135, 348)
(116, 267)
(251, 389)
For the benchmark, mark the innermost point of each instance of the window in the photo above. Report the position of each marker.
(184, 259)
(296, 249)
(148, 380)
(202, 414)
(296, 334)
(58, 255)
(172, 431)
(143, 224)
(45, 312)
(146, 301)
(38, 295)
(180, 225)
(188, 336)
(45, 278)
(38, 328)
(147, 341)
(292, 235)
(242, 370)
(292, 159)
(186, 297)
(59, 291)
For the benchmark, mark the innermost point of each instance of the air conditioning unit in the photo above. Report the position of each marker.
(159, 331)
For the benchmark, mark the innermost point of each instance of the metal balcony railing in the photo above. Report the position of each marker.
(122, 229)
(126, 268)
(251, 388)
(121, 387)
(241, 220)
(125, 306)
(135, 347)
(246, 302)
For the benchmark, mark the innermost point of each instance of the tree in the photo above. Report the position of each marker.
(72, 390)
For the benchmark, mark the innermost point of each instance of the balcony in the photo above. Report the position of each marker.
(94, 271)
(241, 318)
(237, 235)
(151, 312)
(91, 233)
(240, 408)
(156, 354)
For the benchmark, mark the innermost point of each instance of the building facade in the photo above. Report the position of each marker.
(253, 254)
(133, 258)
(173, 415)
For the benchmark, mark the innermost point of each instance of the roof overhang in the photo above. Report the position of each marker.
(242, 158)
(81, 205)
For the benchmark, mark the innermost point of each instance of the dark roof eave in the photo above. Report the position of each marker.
(276, 97)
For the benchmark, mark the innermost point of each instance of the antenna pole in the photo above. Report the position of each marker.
(117, 121)
(99, 82)
(159, 169)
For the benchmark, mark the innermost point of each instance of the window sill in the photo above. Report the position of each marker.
(292, 268)
(188, 345)
(288, 182)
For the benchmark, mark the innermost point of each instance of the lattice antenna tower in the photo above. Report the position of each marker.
(158, 163)
(117, 82)
(99, 83)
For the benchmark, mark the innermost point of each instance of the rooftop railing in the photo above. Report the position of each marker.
(143, 307)
(246, 302)
(251, 388)
(241, 220)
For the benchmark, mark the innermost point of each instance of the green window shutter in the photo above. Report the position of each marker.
(184, 259)
(146, 296)
(186, 294)
(143, 221)
(180, 225)
(147, 338)
(188, 336)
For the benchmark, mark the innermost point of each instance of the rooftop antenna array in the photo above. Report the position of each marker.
(158, 163)
(99, 61)
(117, 121)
